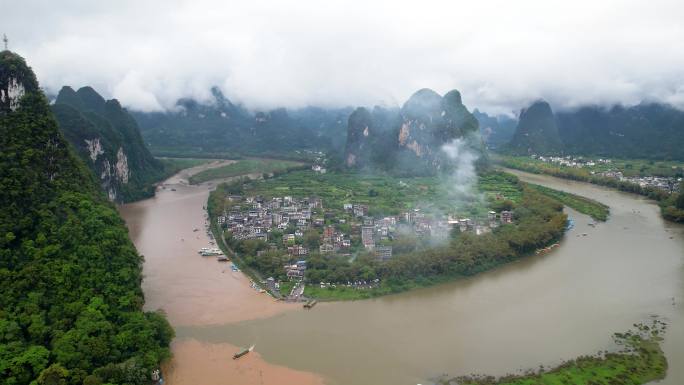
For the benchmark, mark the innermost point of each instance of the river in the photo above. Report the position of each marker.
(536, 311)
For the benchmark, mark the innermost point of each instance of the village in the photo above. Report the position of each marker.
(669, 184)
(298, 227)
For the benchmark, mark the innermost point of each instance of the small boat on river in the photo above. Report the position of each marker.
(242, 352)
(206, 252)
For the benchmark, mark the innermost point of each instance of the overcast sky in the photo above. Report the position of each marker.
(501, 55)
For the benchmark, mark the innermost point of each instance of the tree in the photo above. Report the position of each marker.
(54, 375)
(311, 239)
(69, 274)
(680, 197)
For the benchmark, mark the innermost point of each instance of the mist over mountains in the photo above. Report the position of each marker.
(376, 135)
(622, 52)
(107, 138)
(222, 126)
(647, 130)
(409, 139)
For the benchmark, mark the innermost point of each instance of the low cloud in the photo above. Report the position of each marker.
(500, 54)
(460, 182)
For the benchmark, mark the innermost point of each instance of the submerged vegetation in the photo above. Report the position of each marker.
(640, 361)
(596, 210)
(246, 166)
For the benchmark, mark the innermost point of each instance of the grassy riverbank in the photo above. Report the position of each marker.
(596, 210)
(245, 167)
(671, 205)
(178, 164)
(641, 361)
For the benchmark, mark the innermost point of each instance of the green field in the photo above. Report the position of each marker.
(587, 206)
(203, 153)
(183, 163)
(388, 195)
(641, 361)
(245, 167)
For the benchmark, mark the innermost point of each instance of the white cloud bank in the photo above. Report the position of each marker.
(500, 54)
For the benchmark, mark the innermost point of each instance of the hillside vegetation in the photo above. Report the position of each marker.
(71, 302)
(107, 138)
(645, 131)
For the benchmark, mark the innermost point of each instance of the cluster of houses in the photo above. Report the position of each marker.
(669, 184)
(334, 241)
(570, 161)
(296, 270)
(376, 233)
(256, 218)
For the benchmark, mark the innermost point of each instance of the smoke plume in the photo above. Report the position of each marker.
(463, 178)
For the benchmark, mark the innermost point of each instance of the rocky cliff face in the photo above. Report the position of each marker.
(107, 138)
(409, 139)
(16, 79)
(359, 128)
(537, 131)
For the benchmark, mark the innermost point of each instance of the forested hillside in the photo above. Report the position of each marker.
(193, 128)
(537, 132)
(71, 302)
(496, 131)
(644, 131)
(647, 131)
(409, 140)
(107, 138)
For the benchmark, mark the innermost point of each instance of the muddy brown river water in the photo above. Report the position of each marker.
(539, 310)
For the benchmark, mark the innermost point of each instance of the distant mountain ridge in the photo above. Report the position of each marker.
(222, 126)
(409, 139)
(496, 131)
(107, 138)
(536, 131)
(647, 130)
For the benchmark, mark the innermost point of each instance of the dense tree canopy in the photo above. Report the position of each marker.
(71, 302)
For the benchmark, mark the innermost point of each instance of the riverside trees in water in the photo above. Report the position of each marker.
(71, 302)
